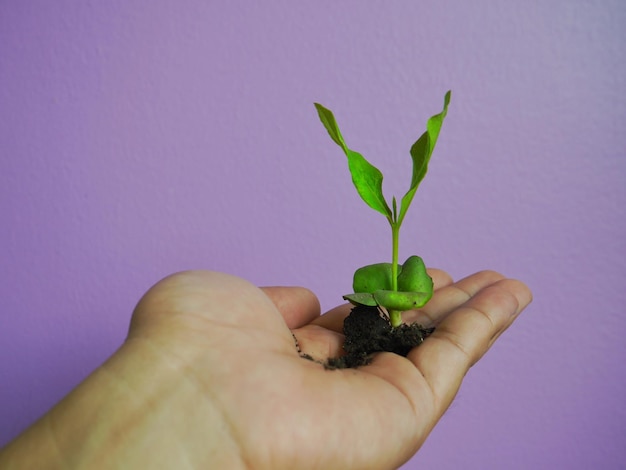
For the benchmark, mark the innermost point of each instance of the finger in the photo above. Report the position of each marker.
(440, 278)
(449, 297)
(333, 319)
(318, 342)
(298, 305)
(466, 334)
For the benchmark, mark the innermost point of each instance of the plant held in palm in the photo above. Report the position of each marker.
(395, 287)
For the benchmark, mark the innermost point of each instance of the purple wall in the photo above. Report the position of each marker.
(140, 138)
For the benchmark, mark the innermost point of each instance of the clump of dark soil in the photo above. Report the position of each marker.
(367, 330)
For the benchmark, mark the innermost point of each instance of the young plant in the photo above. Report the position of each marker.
(395, 287)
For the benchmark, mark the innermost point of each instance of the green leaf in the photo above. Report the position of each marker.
(414, 277)
(401, 301)
(421, 152)
(361, 298)
(329, 122)
(391, 300)
(372, 277)
(373, 282)
(367, 179)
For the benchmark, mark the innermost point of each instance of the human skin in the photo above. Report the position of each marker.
(209, 377)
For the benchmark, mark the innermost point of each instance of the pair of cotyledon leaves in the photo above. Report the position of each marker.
(373, 284)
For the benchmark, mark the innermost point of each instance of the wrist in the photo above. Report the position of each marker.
(132, 412)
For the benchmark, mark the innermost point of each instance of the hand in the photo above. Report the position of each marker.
(209, 377)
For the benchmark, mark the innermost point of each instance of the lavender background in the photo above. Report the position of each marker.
(141, 138)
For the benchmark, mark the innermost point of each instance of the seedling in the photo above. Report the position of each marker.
(395, 287)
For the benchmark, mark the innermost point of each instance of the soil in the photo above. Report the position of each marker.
(367, 330)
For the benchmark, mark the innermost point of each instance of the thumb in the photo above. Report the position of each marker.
(298, 305)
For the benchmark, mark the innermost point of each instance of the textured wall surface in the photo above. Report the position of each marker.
(141, 138)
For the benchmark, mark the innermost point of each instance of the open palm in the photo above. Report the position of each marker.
(229, 347)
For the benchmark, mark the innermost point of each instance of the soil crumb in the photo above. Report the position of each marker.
(367, 331)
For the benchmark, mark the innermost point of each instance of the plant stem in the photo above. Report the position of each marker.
(395, 316)
(395, 231)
